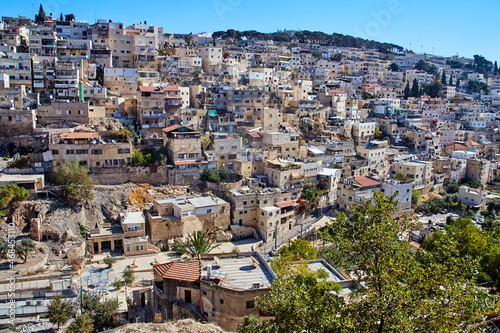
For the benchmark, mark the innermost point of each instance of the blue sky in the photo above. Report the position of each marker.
(445, 26)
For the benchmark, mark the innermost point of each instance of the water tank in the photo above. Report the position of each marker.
(209, 271)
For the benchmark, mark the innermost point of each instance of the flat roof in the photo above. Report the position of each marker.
(132, 217)
(333, 275)
(241, 273)
(20, 178)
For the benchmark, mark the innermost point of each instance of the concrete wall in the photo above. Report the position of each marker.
(115, 176)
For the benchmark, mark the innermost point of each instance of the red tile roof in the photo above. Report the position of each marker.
(285, 204)
(336, 91)
(151, 89)
(255, 135)
(189, 271)
(472, 143)
(80, 135)
(365, 181)
(171, 128)
(190, 162)
(457, 146)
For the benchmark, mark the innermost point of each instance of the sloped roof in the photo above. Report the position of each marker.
(171, 128)
(189, 271)
(285, 204)
(151, 89)
(457, 146)
(336, 91)
(365, 181)
(255, 135)
(472, 143)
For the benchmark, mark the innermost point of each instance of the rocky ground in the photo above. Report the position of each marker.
(181, 326)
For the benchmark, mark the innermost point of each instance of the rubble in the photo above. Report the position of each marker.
(180, 326)
(143, 196)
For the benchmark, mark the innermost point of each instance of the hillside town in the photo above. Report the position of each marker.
(132, 144)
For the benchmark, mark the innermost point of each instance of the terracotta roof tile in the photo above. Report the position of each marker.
(171, 128)
(336, 91)
(365, 181)
(80, 135)
(189, 271)
(285, 204)
(255, 135)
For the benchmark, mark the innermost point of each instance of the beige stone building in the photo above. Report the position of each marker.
(90, 149)
(420, 172)
(174, 219)
(70, 111)
(220, 289)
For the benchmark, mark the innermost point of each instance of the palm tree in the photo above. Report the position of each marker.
(196, 244)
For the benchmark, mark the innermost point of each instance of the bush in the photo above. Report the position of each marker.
(22, 162)
(128, 275)
(401, 177)
(118, 284)
(110, 261)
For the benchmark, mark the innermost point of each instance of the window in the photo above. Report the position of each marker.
(221, 301)
(123, 150)
(250, 304)
(58, 111)
(209, 211)
(96, 151)
(70, 151)
(68, 111)
(55, 152)
(82, 151)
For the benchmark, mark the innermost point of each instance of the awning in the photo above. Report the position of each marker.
(212, 113)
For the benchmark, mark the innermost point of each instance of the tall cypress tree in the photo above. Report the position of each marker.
(443, 78)
(415, 91)
(458, 83)
(407, 90)
(495, 67)
(41, 16)
(451, 80)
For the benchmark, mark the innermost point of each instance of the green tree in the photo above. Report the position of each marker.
(9, 195)
(298, 249)
(302, 301)
(407, 291)
(110, 261)
(432, 89)
(394, 67)
(415, 90)
(443, 78)
(366, 95)
(407, 90)
(415, 197)
(40, 17)
(495, 67)
(250, 324)
(75, 181)
(196, 244)
(457, 83)
(69, 17)
(452, 187)
(128, 275)
(450, 83)
(24, 248)
(210, 175)
(82, 324)
(59, 311)
(224, 174)
(104, 313)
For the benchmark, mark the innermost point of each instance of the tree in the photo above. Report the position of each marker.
(224, 174)
(69, 17)
(61, 18)
(40, 17)
(415, 91)
(75, 181)
(457, 83)
(450, 83)
(407, 91)
(24, 248)
(302, 301)
(443, 78)
(394, 67)
(210, 175)
(196, 244)
(250, 324)
(128, 275)
(59, 311)
(433, 89)
(298, 249)
(366, 95)
(407, 292)
(9, 195)
(452, 187)
(110, 261)
(495, 67)
(415, 197)
(104, 313)
(82, 324)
